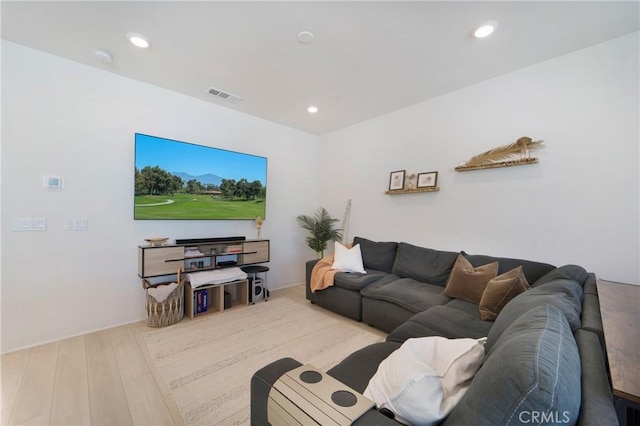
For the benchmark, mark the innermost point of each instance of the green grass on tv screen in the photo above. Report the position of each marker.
(196, 206)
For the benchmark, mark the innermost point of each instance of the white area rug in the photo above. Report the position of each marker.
(207, 363)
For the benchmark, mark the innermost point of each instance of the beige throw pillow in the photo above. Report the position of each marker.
(468, 283)
(500, 291)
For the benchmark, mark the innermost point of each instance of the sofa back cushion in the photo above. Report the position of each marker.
(569, 272)
(532, 270)
(565, 295)
(423, 264)
(530, 376)
(377, 255)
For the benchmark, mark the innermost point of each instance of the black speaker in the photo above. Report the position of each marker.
(256, 290)
(209, 240)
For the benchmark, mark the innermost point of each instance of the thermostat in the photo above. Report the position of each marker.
(54, 182)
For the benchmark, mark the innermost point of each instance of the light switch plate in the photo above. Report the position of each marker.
(27, 224)
(76, 224)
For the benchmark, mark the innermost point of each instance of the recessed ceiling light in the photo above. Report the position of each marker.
(103, 56)
(305, 37)
(485, 29)
(312, 109)
(138, 40)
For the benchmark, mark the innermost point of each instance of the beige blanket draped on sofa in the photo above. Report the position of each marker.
(322, 275)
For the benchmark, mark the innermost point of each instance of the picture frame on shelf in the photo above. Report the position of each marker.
(427, 180)
(396, 180)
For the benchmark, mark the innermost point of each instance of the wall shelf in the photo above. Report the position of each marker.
(522, 162)
(413, 191)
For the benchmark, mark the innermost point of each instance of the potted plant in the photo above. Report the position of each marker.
(321, 228)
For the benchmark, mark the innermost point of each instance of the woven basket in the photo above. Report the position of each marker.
(170, 311)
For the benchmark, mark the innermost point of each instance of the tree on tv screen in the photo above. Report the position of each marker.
(157, 181)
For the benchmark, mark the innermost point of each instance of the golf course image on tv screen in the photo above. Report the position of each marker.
(180, 180)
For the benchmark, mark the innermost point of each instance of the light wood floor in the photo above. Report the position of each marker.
(101, 378)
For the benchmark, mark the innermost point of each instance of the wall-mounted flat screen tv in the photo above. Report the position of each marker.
(180, 180)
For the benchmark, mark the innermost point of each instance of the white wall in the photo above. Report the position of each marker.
(63, 118)
(578, 205)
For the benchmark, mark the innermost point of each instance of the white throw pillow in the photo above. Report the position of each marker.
(424, 379)
(348, 260)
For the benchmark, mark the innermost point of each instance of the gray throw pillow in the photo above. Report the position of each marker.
(530, 376)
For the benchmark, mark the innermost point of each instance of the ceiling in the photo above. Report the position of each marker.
(368, 58)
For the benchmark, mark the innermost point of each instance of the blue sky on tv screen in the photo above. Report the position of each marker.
(181, 157)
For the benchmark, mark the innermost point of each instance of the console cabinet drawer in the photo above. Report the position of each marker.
(153, 261)
(256, 252)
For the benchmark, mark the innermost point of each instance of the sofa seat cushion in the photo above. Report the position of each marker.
(356, 282)
(340, 300)
(442, 321)
(597, 401)
(468, 307)
(377, 255)
(563, 294)
(533, 369)
(358, 368)
(412, 295)
(423, 264)
(532, 270)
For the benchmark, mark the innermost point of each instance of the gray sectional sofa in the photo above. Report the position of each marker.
(544, 352)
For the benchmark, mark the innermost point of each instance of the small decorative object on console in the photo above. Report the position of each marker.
(155, 242)
(259, 221)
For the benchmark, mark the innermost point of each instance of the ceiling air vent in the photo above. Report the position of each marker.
(223, 95)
